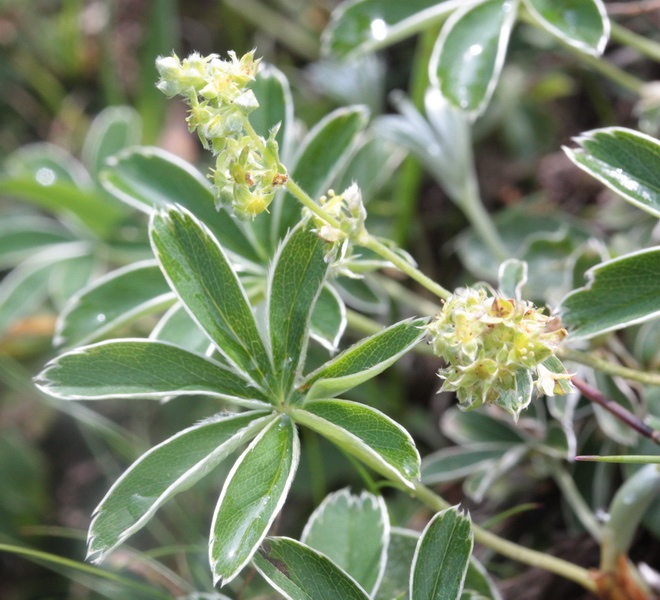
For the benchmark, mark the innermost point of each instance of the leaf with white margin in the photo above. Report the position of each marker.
(167, 469)
(468, 57)
(299, 572)
(620, 292)
(328, 318)
(512, 277)
(149, 178)
(442, 557)
(113, 300)
(364, 360)
(353, 531)
(27, 285)
(144, 369)
(366, 433)
(583, 24)
(199, 271)
(626, 161)
(295, 280)
(253, 494)
(360, 26)
(176, 327)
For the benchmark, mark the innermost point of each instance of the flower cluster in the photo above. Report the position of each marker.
(348, 213)
(247, 169)
(493, 346)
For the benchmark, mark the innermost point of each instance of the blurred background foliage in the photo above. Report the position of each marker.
(64, 62)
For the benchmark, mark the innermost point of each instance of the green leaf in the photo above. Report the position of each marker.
(253, 494)
(620, 292)
(26, 286)
(148, 178)
(477, 581)
(142, 369)
(469, 427)
(582, 24)
(68, 277)
(365, 432)
(442, 557)
(272, 90)
(300, 573)
(45, 162)
(469, 54)
(554, 365)
(515, 401)
(328, 318)
(353, 532)
(456, 462)
(167, 469)
(368, 25)
(204, 280)
(626, 161)
(23, 235)
(115, 128)
(296, 277)
(396, 579)
(362, 294)
(177, 327)
(512, 278)
(113, 300)
(64, 198)
(364, 360)
(325, 152)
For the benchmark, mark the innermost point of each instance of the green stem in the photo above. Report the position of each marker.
(371, 242)
(474, 210)
(510, 549)
(600, 364)
(406, 192)
(492, 541)
(292, 36)
(625, 80)
(643, 45)
(37, 555)
(575, 499)
(403, 265)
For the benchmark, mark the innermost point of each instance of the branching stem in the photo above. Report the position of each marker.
(510, 549)
(600, 364)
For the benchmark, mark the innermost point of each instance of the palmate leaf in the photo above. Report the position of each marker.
(142, 369)
(469, 54)
(111, 301)
(253, 494)
(300, 573)
(364, 360)
(353, 531)
(167, 469)
(296, 277)
(442, 557)
(365, 432)
(205, 281)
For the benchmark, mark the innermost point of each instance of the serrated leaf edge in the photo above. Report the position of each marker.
(377, 503)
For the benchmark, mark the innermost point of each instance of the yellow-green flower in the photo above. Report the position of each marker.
(495, 348)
